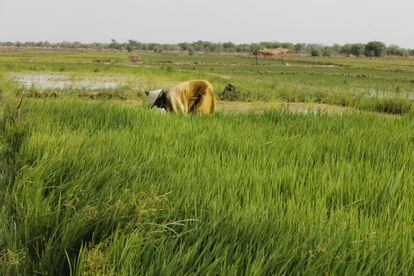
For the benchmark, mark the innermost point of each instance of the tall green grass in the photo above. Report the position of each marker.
(97, 188)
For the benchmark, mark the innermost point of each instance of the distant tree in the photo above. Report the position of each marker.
(403, 52)
(207, 47)
(115, 45)
(98, 45)
(153, 46)
(327, 51)
(27, 44)
(358, 49)
(242, 48)
(375, 49)
(288, 45)
(269, 45)
(395, 50)
(300, 47)
(184, 46)
(76, 44)
(132, 45)
(216, 48)
(316, 52)
(198, 46)
(256, 47)
(346, 49)
(336, 49)
(229, 47)
(158, 49)
(392, 49)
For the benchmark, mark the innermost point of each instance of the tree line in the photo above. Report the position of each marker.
(370, 49)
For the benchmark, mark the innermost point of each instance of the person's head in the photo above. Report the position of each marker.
(229, 87)
(157, 98)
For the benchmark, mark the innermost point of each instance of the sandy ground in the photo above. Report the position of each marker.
(296, 107)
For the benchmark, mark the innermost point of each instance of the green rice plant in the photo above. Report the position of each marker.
(102, 188)
(387, 105)
(96, 187)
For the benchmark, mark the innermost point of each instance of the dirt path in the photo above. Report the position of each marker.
(296, 107)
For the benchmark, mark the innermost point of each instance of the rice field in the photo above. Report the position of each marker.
(104, 186)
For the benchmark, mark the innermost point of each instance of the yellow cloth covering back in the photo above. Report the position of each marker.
(195, 96)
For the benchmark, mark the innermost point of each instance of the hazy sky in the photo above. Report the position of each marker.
(168, 21)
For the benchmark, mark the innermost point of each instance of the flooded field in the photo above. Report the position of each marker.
(62, 82)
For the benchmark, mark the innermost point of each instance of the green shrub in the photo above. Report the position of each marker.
(394, 50)
(327, 52)
(357, 49)
(375, 49)
(316, 52)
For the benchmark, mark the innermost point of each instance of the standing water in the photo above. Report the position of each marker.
(61, 82)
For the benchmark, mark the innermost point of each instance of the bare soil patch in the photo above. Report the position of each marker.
(295, 107)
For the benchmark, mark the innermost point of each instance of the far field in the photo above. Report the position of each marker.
(307, 169)
(384, 85)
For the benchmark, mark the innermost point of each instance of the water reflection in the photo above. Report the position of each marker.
(61, 82)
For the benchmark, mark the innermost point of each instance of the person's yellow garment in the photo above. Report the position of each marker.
(195, 96)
